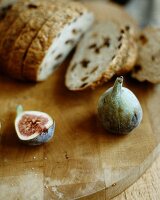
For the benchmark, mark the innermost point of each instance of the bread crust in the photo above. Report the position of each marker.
(64, 15)
(20, 32)
(9, 20)
(131, 58)
(13, 14)
(114, 67)
(32, 32)
(11, 36)
(116, 14)
(37, 19)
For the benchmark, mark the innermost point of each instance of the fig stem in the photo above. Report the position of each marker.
(117, 86)
(19, 109)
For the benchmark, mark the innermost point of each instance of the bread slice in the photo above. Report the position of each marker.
(114, 13)
(15, 8)
(117, 14)
(18, 50)
(26, 48)
(147, 68)
(131, 57)
(101, 54)
(14, 23)
(9, 18)
(55, 40)
(11, 35)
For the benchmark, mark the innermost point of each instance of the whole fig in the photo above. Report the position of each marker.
(119, 110)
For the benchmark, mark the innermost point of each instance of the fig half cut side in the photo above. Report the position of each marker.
(34, 127)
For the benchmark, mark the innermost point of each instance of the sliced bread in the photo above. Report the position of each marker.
(55, 40)
(9, 19)
(101, 53)
(114, 13)
(15, 9)
(30, 30)
(8, 39)
(15, 21)
(131, 58)
(31, 50)
(147, 68)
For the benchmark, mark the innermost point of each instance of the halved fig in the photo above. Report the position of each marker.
(34, 127)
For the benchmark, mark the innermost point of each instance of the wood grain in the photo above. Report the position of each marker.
(146, 188)
(82, 161)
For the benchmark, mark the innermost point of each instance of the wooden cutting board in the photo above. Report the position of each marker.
(82, 161)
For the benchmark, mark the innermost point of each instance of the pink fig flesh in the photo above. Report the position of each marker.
(31, 124)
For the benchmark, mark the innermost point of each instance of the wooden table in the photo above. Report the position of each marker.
(81, 161)
(24, 170)
(146, 188)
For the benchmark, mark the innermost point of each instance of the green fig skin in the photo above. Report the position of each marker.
(119, 110)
